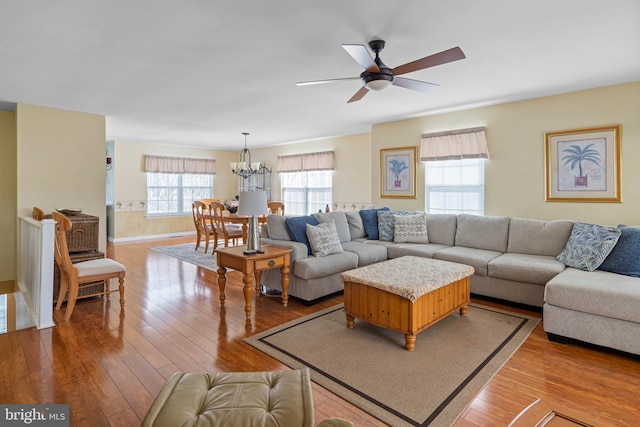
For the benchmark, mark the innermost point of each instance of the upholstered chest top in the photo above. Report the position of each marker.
(408, 276)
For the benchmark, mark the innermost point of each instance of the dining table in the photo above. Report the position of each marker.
(234, 218)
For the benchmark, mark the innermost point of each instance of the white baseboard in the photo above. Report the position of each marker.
(149, 237)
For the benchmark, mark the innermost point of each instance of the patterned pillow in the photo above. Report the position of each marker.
(410, 228)
(588, 245)
(625, 256)
(370, 222)
(324, 239)
(385, 224)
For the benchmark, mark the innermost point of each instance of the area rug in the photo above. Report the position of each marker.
(369, 366)
(186, 252)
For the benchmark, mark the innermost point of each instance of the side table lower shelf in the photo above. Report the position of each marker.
(78, 257)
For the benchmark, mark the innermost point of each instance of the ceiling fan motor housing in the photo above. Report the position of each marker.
(377, 80)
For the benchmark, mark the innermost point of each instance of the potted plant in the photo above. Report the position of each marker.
(396, 168)
(576, 156)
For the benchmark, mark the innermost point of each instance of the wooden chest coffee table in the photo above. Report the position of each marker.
(406, 294)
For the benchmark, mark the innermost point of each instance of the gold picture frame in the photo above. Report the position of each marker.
(583, 165)
(398, 173)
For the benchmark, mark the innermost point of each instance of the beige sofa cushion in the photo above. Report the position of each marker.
(314, 267)
(525, 268)
(597, 292)
(441, 228)
(530, 236)
(482, 232)
(476, 258)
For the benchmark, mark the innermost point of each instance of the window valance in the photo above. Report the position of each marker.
(456, 144)
(320, 161)
(163, 164)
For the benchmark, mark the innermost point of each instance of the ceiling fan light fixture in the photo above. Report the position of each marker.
(377, 81)
(378, 85)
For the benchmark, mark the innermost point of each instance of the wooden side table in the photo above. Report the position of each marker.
(249, 265)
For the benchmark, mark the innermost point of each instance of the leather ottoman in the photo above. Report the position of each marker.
(278, 399)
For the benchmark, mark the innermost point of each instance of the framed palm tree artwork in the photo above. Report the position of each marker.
(398, 172)
(583, 165)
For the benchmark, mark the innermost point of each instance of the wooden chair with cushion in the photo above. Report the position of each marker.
(201, 213)
(221, 229)
(276, 208)
(73, 277)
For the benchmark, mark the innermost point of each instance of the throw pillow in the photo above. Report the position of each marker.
(356, 226)
(340, 220)
(370, 222)
(588, 245)
(297, 228)
(625, 256)
(410, 228)
(324, 239)
(385, 224)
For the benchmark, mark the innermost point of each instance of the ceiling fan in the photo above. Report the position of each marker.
(378, 76)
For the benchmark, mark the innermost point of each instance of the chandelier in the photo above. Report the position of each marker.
(244, 167)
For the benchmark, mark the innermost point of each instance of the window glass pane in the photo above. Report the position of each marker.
(304, 193)
(455, 186)
(174, 193)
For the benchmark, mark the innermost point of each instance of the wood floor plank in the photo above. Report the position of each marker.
(109, 366)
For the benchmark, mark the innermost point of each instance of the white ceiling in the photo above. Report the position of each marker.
(201, 72)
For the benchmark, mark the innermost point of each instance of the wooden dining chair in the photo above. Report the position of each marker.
(275, 208)
(201, 214)
(74, 277)
(222, 229)
(37, 214)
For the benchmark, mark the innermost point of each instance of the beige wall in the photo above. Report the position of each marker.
(8, 195)
(61, 162)
(130, 188)
(352, 177)
(514, 183)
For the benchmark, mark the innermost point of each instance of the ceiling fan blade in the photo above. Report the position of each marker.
(359, 94)
(443, 57)
(319, 82)
(362, 56)
(417, 85)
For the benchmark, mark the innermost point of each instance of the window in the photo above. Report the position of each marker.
(455, 170)
(171, 193)
(455, 186)
(306, 192)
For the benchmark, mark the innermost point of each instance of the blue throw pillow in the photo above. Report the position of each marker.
(625, 256)
(370, 222)
(297, 228)
(588, 245)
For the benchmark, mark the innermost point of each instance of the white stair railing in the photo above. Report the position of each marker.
(35, 268)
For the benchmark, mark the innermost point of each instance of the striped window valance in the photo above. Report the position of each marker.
(321, 161)
(163, 164)
(456, 144)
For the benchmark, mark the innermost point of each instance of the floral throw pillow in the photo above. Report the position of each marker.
(410, 228)
(588, 245)
(324, 239)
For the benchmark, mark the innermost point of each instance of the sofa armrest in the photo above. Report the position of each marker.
(300, 250)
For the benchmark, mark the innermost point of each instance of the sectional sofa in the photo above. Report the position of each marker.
(548, 264)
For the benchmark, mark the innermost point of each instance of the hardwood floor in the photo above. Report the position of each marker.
(109, 366)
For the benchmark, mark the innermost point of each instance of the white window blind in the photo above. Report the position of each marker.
(456, 144)
(181, 165)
